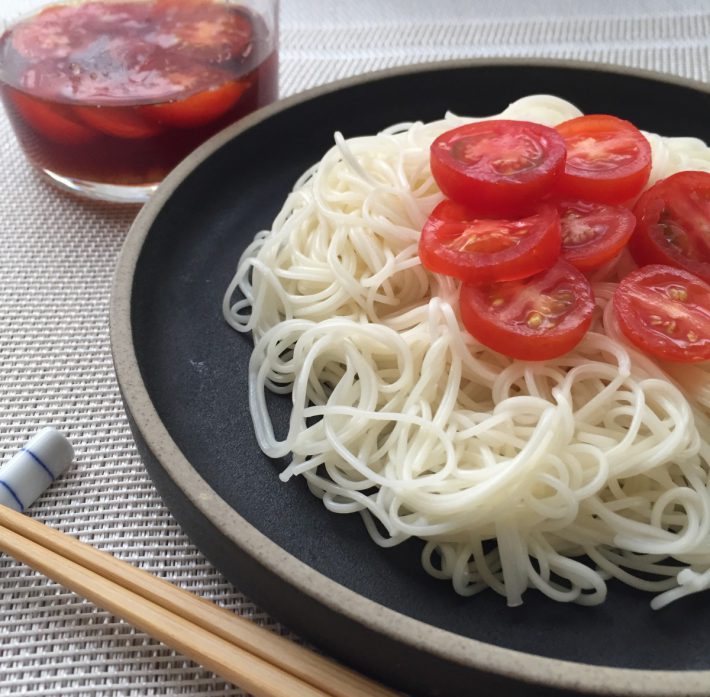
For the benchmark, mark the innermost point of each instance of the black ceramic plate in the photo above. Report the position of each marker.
(183, 374)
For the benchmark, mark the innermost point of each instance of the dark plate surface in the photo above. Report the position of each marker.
(183, 373)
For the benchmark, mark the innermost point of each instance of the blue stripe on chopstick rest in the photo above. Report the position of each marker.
(14, 495)
(39, 462)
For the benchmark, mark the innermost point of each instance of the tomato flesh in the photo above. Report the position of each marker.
(55, 122)
(534, 319)
(65, 30)
(593, 233)
(200, 109)
(673, 224)
(119, 122)
(608, 159)
(477, 250)
(665, 312)
(212, 32)
(498, 167)
(114, 53)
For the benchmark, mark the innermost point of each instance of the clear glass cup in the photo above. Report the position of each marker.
(107, 96)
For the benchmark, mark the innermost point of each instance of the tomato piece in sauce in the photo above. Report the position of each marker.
(55, 122)
(608, 159)
(593, 233)
(673, 224)
(121, 122)
(213, 32)
(124, 53)
(533, 319)
(64, 30)
(477, 250)
(498, 167)
(665, 312)
(199, 109)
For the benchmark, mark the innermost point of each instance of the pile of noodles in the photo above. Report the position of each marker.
(555, 475)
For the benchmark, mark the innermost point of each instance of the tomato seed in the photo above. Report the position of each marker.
(679, 294)
(535, 320)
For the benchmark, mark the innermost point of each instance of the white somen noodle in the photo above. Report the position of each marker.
(555, 475)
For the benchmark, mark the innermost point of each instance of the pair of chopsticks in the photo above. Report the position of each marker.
(257, 660)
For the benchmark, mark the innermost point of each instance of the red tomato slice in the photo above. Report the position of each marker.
(534, 319)
(673, 225)
(56, 122)
(210, 31)
(498, 167)
(121, 122)
(117, 53)
(593, 233)
(479, 250)
(608, 159)
(126, 73)
(44, 35)
(666, 313)
(199, 109)
(60, 31)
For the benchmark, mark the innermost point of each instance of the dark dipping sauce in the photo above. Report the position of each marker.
(120, 92)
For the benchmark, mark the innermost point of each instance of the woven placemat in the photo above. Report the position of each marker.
(57, 256)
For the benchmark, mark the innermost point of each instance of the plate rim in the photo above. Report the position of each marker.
(470, 653)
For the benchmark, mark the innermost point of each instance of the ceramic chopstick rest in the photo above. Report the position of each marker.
(33, 468)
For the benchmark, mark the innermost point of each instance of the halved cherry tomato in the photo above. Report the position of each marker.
(205, 29)
(498, 167)
(121, 122)
(673, 224)
(479, 250)
(128, 72)
(138, 74)
(198, 110)
(665, 312)
(114, 53)
(593, 233)
(608, 159)
(45, 35)
(61, 30)
(56, 122)
(534, 319)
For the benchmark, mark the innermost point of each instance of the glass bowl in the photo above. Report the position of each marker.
(107, 96)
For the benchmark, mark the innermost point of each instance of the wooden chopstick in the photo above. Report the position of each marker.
(265, 664)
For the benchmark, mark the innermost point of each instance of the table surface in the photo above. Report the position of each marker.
(57, 256)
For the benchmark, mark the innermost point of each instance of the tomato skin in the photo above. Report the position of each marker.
(498, 168)
(199, 109)
(456, 243)
(665, 312)
(55, 122)
(120, 122)
(673, 224)
(608, 159)
(593, 233)
(534, 319)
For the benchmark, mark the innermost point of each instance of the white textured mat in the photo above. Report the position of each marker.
(57, 256)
